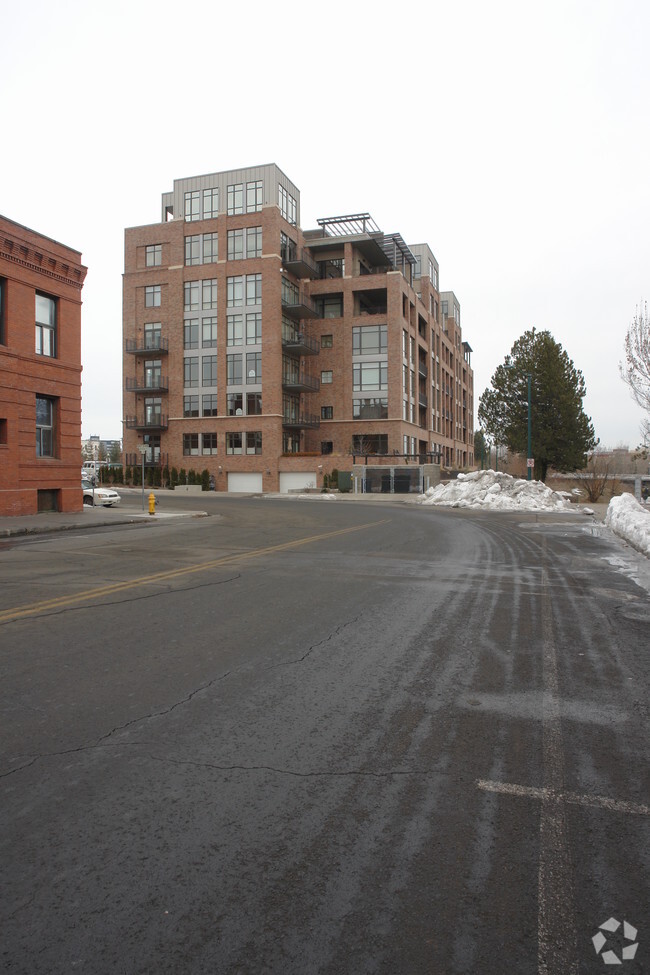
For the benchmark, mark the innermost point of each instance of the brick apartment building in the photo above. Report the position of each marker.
(40, 372)
(270, 355)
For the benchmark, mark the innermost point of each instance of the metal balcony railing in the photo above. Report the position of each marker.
(157, 421)
(150, 384)
(141, 346)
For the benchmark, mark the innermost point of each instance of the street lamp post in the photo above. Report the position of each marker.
(529, 459)
(143, 449)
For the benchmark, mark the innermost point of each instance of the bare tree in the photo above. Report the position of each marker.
(635, 371)
(598, 472)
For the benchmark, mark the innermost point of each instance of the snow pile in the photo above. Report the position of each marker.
(631, 521)
(319, 497)
(492, 489)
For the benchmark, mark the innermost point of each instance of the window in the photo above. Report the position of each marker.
(370, 443)
(234, 370)
(210, 203)
(235, 245)
(235, 327)
(326, 376)
(191, 334)
(209, 443)
(326, 446)
(210, 248)
(235, 291)
(3, 285)
(369, 375)
(327, 412)
(192, 205)
(209, 370)
(254, 196)
(288, 206)
(254, 442)
(153, 255)
(287, 247)
(152, 296)
(152, 335)
(190, 444)
(45, 336)
(209, 293)
(210, 404)
(191, 371)
(253, 289)
(193, 250)
(369, 340)
(209, 333)
(190, 406)
(152, 373)
(254, 328)
(3, 430)
(253, 367)
(326, 341)
(235, 199)
(330, 306)
(153, 411)
(45, 415)
(253, 404)
(253, 242)
(371, 409)
(234, 404)
(233, 443)
(191, 296)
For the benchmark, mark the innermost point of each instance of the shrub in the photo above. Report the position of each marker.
(182, 476)
(173, 478)
(205, 480)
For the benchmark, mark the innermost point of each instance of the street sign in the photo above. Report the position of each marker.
(530, 462)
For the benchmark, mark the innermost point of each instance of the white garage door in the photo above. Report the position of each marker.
(245, 483)
(297, 481)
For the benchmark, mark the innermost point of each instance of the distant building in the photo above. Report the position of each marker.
(94, 448)
(270, 355)
(40, 372)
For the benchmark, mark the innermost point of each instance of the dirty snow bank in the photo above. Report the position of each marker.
(493, 489)
(631, 521)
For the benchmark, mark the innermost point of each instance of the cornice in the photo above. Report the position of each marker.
(35, 260)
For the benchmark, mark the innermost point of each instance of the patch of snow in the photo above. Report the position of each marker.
(494, 489)
(631, 521)
(317, 497)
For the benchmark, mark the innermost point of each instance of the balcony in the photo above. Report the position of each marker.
(298, 263)
(300, 344)
(300, 382)
(157, 421)
(142, 346)
(422, 400)
(301, 421)
(152, 384)
(299, 306)
(422, 370)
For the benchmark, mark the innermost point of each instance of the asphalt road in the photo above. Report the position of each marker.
(310, 737)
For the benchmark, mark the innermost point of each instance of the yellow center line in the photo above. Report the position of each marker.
(59, 602)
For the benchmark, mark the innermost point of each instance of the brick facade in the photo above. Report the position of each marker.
(39, 463)
(306, 339)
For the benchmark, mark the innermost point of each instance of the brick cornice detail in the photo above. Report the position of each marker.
(33, 260)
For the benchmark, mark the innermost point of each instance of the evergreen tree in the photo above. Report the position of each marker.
(562, 434)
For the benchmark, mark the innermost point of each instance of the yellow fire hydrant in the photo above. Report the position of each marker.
(152, 503)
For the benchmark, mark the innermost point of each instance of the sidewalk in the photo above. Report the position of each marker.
(88, 518)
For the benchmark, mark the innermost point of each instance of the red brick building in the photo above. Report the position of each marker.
(270, 355)
(40, 372)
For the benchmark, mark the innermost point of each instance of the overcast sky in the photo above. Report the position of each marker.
(512, 137)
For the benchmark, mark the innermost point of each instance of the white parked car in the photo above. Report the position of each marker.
(100, 495)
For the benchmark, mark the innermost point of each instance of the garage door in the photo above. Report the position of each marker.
(297, 481)
(245, 483)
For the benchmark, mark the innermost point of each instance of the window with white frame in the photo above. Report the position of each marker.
(45, 329)
(45, 426)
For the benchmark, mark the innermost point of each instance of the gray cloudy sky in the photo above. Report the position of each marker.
(513, 137)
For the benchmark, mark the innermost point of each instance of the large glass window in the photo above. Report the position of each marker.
(253, 404)
(209, 404)
(234, 370)
(209, 330)
(152, 296)
(192, 205)
(191, 371)
(235, 326)
(153, 410)
(191, 405)
(369, 340)
(153, 255)
(152, 335)
(235, 199)
(152, 373)
(210, 248)
(193, 250)
(210, 203)
(253, 242)
(45, 417)
(233, 443)
(235, 245)
(370, 443)
(254, 195)
(209, 293)
(369, 375)
(288, 206)
(254, 442)
(191, 334)
(45, 334)
(253, 289)
(191, 296)
(234, 404)
(190, 444)
(235, 291)
(209, 370)
(253, 367)
(209, 443)
(254, 328)
(375, 408)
